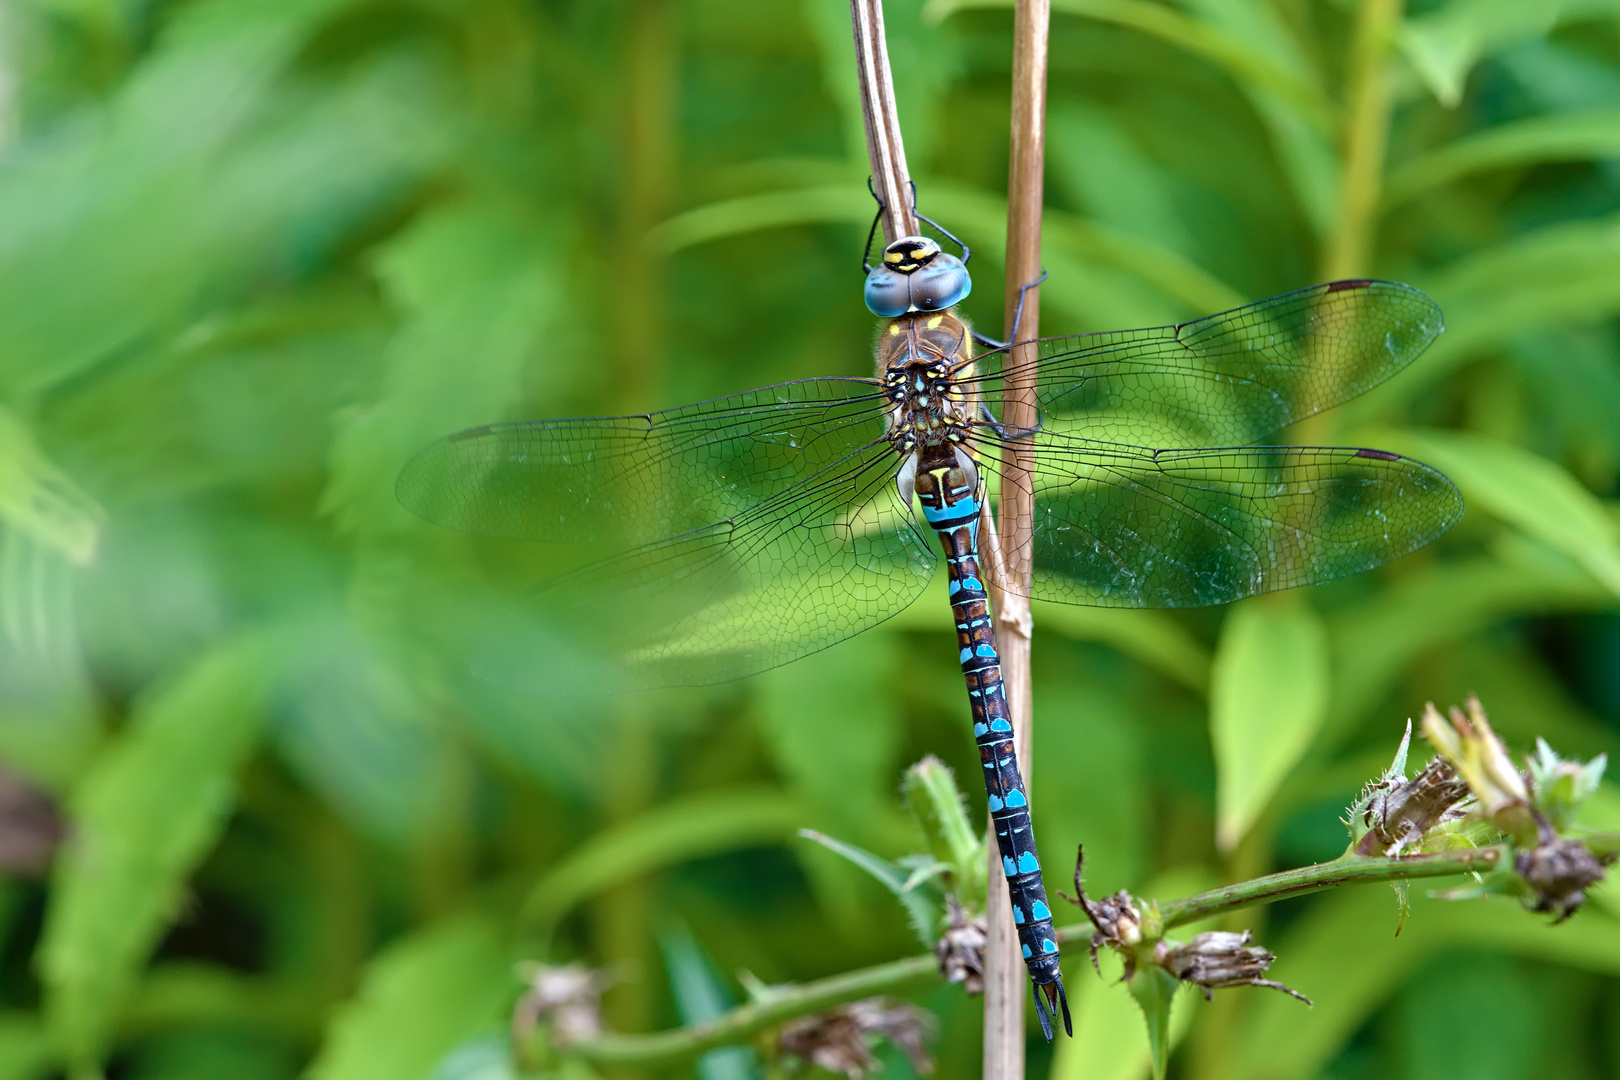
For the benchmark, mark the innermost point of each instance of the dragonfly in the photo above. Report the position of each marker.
(740, 533)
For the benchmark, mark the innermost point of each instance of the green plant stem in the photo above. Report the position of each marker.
(917, 972)
(741, 1024)
(1345, 870)
(1369, 102)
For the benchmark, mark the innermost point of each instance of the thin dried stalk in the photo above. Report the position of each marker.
(883, 144)
(1006, 984)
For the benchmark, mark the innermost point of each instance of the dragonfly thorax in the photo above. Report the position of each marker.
(922, 360)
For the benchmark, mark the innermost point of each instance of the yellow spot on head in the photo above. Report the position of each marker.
(933, 324)
(894, 328)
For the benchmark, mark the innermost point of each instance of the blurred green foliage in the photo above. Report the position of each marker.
(253, 253)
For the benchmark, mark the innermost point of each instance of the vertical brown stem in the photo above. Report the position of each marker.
(1006, 985)
(883, 144)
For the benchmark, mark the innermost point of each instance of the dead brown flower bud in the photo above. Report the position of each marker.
(31, 826)
(961, 949)
(838, 1040)
(1117, 919)
(1218, 959)
(1558, 873)
(1400, 814)
(569, 997)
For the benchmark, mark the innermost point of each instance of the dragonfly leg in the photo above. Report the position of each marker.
(866, 267)
(1018, 315)
(1018, 309)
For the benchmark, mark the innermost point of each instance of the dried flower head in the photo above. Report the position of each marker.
(839, 1040)
(31, 826)
(1117, 918)
(569, 997)
(1399, 815)
(1479, 757)
(1557, 873)
(960, 949)
(1218, 959)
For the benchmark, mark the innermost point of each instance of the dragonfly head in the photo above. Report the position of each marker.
(915, 275)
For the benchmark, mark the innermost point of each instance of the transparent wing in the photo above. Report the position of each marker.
(616, 482)
(1233, 378)
(1119, 526)
(739, 533)
(813, 565)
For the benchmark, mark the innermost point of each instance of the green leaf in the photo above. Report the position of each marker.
(1444, 45)
(1347, 943)
(475, 278)
(1268, 696)
(144, 816)
(699, 996)
(418, 1000)
(487, 1057)
(1527, 491)
(1155, 638)
(39, 500)
(1563, 273)
(1237, 55)
(1154, 990)
(921, 904)
(672, 833)
(25, 1050)
(1377, 639)
(1573, 136)
(197, 175)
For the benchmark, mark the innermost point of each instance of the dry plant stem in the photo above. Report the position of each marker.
(883, 144)
(919, 972)
(1368, 103)
(1006, 985)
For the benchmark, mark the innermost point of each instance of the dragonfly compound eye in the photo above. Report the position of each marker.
(915, 275)
(943, 283)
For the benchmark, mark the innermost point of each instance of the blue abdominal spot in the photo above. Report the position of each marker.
(1027, 864)
(1007, 865)
(995, 804)
(1026, 952)
(1040, 911)
(1048, 946)
(998, 724)
(1015, 798)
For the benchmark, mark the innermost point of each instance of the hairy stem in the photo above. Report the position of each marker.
(918, 972)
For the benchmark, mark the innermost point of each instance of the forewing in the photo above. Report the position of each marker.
(1117, 526)
(791, 575)
(616, 482)
(1233, 378)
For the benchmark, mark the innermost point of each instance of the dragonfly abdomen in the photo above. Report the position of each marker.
(952, 498)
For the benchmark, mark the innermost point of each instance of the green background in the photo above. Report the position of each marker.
(253, 253)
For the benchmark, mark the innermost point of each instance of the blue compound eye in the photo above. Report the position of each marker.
(915, 275)
(943, 283)
(888, 293)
